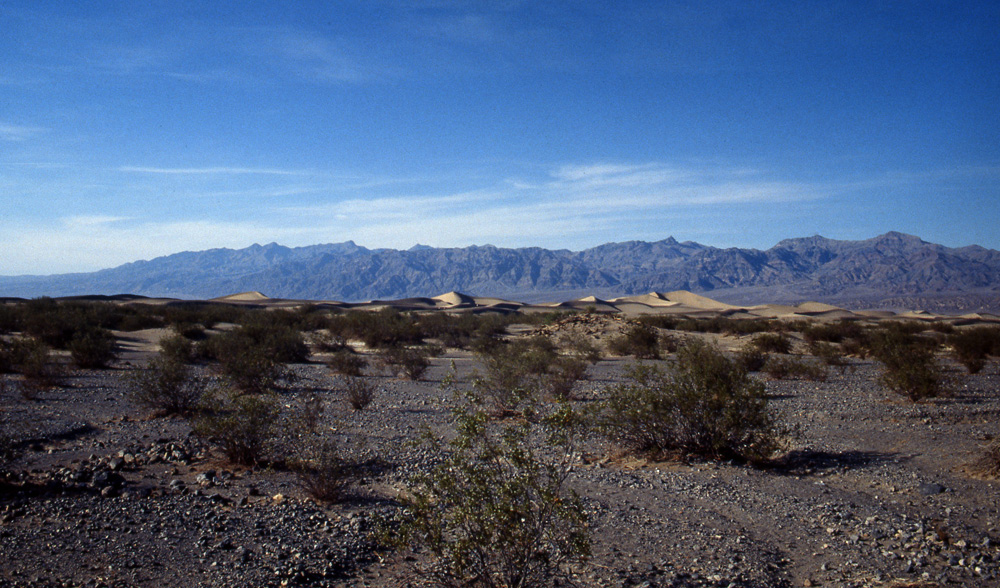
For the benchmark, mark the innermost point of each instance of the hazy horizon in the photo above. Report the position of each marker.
(134, 132)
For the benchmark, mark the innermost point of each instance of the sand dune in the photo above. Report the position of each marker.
(243, 297)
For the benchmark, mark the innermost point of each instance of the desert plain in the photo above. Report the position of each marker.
(873, 489)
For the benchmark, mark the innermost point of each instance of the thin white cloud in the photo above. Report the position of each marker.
(209, 171)
(10, 132)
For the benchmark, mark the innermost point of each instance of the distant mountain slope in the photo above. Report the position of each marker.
(890, 266)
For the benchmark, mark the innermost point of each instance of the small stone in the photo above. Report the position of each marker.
(931, 489)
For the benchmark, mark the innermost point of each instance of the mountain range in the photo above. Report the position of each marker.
(892, 269)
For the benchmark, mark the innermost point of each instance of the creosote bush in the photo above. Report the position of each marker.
(359, 392)
(751, 358)
(784, 367)
(178, 348)
(92, 348)
(243, 425)
(988, 464)
(518, 372)
(702, 405)
(165, 385)
(973, 346)
(346, 362)
(493, 513)
(405, 361)
(772, 343)
(323, 473)
(640, 341)
(909, 366)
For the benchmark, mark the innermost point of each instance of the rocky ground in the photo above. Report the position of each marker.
(874, 492)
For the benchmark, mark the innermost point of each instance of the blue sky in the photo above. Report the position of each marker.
(130, 130)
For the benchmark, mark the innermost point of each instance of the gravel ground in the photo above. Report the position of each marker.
(874, 492)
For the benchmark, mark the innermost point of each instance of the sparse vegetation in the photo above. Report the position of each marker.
(358, 391)
(165, 385)
(493, 513)
(178, 348)
(243, 425)
(988, 464)
(640, 341)
(92, 348)
(783, 367)
(347, 362)
(405, 361)
(909, 365)
(322, 473)
(772, 343)
(703, 405)
(973, 346)
(751, 358)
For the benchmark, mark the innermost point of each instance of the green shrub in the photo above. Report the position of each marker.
(165, 385)
(493, 513)
(243, 425)
(703, 405)
(404, 361)
(359, 392)
(32, 358)
(93, 348)
(562, 377)
(828, 353)
(249, 366)
(780, 368)
(639, 341)
(972, 346)
(178, 348)
(772, 343)
(751, 359)
(346, 362)
(909, 366)
(322, 473)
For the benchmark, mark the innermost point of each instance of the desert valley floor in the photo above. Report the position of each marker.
(874, 490)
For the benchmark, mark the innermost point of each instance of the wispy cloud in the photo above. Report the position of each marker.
(210, 171)
(11, 132)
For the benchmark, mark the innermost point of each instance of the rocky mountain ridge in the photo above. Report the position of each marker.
(893, 266)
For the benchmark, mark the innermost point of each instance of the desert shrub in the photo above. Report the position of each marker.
(781, 368)
(167, 385)
(581, 348)
(32, 358)
(833, 332)
(751, 358)
(460, 331)
(385, 328)
(93, 348)
(828, 353)
(346, 362)
(493, 513)
(329, 342)
(243, 425)
(562, 377)
(639, 341)
(772, 343)
(909, 366)
(359, 392)
(972, 346)
(703, 405)
(192, 332)
(253, 371)
(323, 473)
(405, 361)
(178, 348)
(988, 464)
